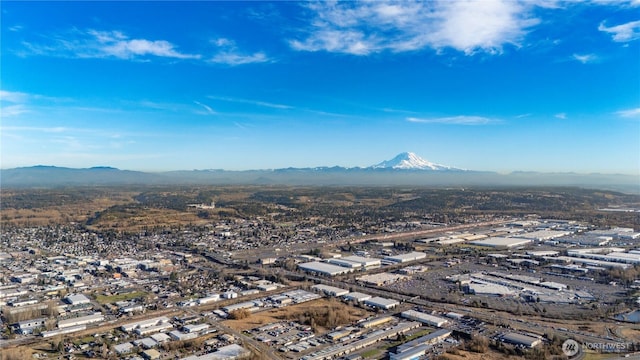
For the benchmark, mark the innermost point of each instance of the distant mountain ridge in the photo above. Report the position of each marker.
(406, 169)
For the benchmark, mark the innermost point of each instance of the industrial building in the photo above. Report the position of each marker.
(82, 320)
(502, 242)
(144, 323)
(335, 351)
(330, 290)
(381, 279)
(375, 322)
(520, 340)
(612, 255)
(424, 318)
(381, 303)
(324, 268)
(195, 328)
(228, 352)
(357, 296)
(76, 299)
(401, 258)
(344, 263)
(67, 330)
(543, 235)
(413, 353)
(365, 262)
(427, 340)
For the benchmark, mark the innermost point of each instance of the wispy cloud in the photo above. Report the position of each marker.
(623, 32)
(231, 58)
(586, 58)
(229, 54)
(46, 129)
(362, 28)
(455, 120)
(12, 103)
(252, 102)
(562, 116)
(13, 110)
(629, 113)
(209, 110)
(103, 44)
(13, 96)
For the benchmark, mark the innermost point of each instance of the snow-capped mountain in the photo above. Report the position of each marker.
(411, 161)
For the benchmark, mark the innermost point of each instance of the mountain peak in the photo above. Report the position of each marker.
(410, 161)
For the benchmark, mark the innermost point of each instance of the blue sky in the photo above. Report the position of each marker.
(537, 85)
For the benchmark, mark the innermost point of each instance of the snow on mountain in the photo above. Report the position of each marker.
(411, 161)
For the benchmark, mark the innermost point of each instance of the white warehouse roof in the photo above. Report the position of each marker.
(324, 268)
(424, 318)
(502, 242)
(382, 303)
(406, 257)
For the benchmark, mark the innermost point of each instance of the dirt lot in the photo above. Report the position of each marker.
(322, 307)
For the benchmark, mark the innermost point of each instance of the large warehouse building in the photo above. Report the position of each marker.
(324, 268)
(401, 258)
(424, 318)
(502, 242)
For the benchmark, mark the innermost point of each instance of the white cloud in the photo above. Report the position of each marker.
(623, 32)
(361, 28)
(104, 44)
(630, 113)
(230, 55)
(223, 42)
(234, 58)
(455, 120)
(561, 116)
(586, 58)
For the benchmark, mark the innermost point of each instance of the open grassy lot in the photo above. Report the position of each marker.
(324, 310)
(104, 299)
